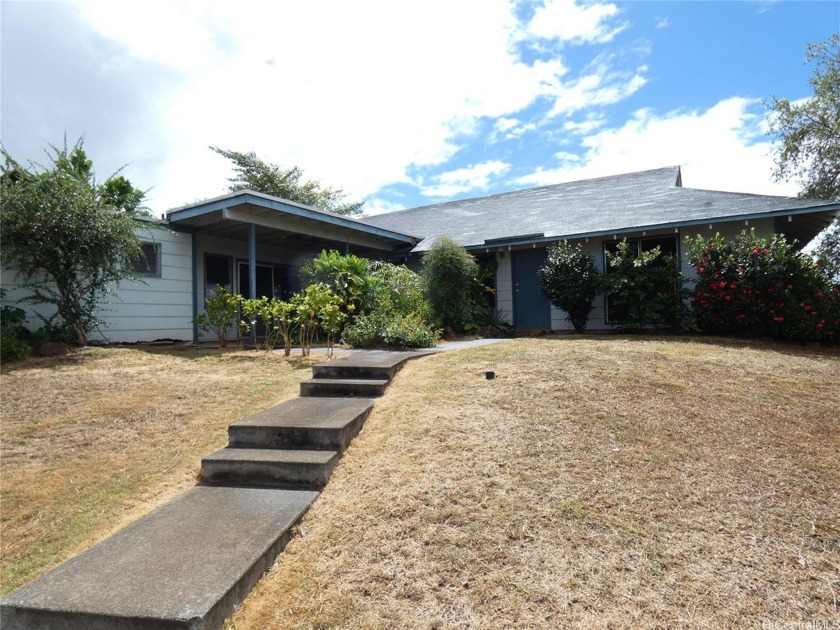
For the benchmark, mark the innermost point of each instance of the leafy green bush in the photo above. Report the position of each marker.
(67, 236)
(278, 317)
(399, 313)
(762, 286)
(317, 308)
(645, 289)
(570, 280)
(221, 312)
(493, 323)
(397, 289)
(449, 275)
(348, 276)
(409, 331)
(394, 331)
(14, 336)
(366, 331)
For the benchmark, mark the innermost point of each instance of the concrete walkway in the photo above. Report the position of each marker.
(188, 564)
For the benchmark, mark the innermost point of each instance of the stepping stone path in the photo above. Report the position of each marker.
(189, 563)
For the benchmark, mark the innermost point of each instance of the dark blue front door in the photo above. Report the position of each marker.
(530, 307)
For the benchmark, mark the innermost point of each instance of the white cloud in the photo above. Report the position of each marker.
(505, 124)
(509, 128)
(380, 206)
(722, 148)
(360, 94)
(602, 87)
(576, 23)
(590, 123)
(352, 92)
(471, 178)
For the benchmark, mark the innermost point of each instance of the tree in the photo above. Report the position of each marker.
(570, 280)
(449, 272)
(253, 173)
(809, 131)
(69, 238)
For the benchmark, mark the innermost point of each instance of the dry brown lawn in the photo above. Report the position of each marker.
(597, 482)
(91, 441)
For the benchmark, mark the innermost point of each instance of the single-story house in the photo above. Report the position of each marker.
(253, 244)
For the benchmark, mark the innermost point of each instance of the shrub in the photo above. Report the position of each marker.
(570, 280)
(762, 286)
(645, 289)
(493, 323)
(399, 312)
(14, 337)
(67, 236)
(409, 331)
(348, 276)
(390, 330)
(397, 289)
(221, 312)
(366, 331)
(449, 274)
(317, 307)
(278, 317)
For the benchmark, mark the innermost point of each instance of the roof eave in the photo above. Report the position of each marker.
(251, 198)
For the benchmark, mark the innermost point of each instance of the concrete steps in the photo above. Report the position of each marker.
(305, 423)
(344, 387)
(362, 375)
(296, 443)
(185, 566)
(188, 564)
(268, 467)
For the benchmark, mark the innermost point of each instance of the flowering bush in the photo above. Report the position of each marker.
(570, 280)
(762, 286)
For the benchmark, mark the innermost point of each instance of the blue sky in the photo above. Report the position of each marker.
(407, 103)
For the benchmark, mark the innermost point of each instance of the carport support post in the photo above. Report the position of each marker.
(252, 272)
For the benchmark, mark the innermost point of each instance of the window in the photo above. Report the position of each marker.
(217, 272)
(667, 246)
(148, 262)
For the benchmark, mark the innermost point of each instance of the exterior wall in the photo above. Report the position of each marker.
(14, 293)
(141, 310)
(155, 307)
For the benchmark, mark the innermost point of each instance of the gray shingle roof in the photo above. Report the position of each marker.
(621, 203)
